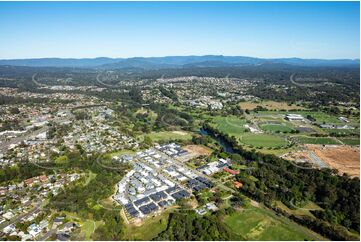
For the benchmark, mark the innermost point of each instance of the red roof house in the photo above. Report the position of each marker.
(29, 182)
(237, 184)
(230, 171)
(43, 178)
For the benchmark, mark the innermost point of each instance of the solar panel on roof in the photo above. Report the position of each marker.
(163, 203)
(155, 197)
(141, 201)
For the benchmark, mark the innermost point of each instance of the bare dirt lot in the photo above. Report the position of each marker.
(269, 105)
(197, 150)
(344, 158)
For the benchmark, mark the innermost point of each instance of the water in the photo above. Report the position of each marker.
(227, 147)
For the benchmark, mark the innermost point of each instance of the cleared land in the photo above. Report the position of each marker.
(345, 159)
(148, 230)
(261, 224)
(272, 105)
(197, 150)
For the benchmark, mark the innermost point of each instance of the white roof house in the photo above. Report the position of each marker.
(294, 117)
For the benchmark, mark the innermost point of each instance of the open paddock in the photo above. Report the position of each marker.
(270, 105)
(262, 224)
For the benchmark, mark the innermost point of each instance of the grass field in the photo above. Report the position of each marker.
(317, 140)
(90, 176)
(320, 117)
(61, 159)
(234, 126)
(275, 128)
(148, 230)
(261, 224)
(264, 140)
(343, 131)
(231, 125)
(170, 135)
(350, 141)
(88, 228)
(304, 210)
(122, 152)
(271, 105)
(151, 115)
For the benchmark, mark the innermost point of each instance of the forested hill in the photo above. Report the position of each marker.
(173, 62)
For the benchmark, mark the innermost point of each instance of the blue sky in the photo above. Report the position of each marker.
(125, 29)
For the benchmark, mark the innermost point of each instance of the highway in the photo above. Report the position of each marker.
(4, 146)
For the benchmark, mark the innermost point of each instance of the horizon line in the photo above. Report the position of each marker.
(132, 57)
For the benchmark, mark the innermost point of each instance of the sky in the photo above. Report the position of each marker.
(327, 30)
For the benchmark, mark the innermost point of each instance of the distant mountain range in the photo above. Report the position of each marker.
(174, 62)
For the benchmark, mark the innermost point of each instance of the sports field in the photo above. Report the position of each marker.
(261, 224)
(230, 125)
(263, 140)
(169, 135)
(276, 128)
(234, 126)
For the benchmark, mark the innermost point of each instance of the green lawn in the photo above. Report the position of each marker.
(61, 159)
(261, 224)
(231, 125)
(234, 126)
(304, 210)
(275, 128)
(343, 131)
(170, 135)
(264, 140)
(88, 228)
(350, 141)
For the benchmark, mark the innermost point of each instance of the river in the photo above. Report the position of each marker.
(227, 147)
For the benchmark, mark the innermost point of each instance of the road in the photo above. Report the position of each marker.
(37, 208)
(304, 85)
(316, 160)
(4, 146)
